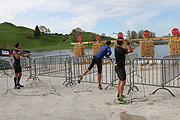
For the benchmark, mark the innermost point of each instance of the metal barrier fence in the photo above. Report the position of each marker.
(55, 67)
(149, 74)
(172, 56)
(6, 67)
(48, 66)
(171, 72)
(156, 72)
(48, 54)
(52, 66)
(77, 65)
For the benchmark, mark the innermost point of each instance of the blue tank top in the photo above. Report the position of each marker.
(15, 59)
(104, 51)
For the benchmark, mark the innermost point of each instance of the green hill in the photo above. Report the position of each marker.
(11, 34)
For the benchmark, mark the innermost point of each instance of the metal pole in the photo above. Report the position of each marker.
(60, 49)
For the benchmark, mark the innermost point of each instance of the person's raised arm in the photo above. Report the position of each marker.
(130, 49)
(26, 55)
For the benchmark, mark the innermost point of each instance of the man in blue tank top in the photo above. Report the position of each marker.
(17, 67)
(97, 59)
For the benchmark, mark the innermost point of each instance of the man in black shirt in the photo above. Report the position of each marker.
(120, 66)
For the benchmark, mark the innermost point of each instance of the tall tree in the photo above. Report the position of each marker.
(48, 30)
(133, 35)
(152, 35)
(103, 35)
(75, 33)
(128, 34)
(140, 34)
(169, 34)
(43, 29)
(36, 32)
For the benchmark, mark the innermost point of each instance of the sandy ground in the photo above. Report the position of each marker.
(33, 102)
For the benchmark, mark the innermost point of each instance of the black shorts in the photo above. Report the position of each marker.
(121, 72)
(98, 62)
(17, 68)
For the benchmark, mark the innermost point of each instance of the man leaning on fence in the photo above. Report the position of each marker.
(97, 59)
(17, 67)
(120, 66)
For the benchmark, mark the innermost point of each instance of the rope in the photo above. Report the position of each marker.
(86, 90)
(54, 91)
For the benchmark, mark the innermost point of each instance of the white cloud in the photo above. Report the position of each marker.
(84, 14)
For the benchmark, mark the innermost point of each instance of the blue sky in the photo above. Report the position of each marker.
(98, 16)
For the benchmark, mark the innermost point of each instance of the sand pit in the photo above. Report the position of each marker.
(35, 101)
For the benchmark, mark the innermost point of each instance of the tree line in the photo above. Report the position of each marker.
(139, 34)
(130, 34)
(78, 31)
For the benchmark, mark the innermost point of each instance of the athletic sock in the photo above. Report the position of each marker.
(18, 80)
(15, 80)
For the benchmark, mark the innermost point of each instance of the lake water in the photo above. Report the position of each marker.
(160, 51)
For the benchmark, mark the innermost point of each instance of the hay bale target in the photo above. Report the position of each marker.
(147, 48)
(97, 45)
(174, 46)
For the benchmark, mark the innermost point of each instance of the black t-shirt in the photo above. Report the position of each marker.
(120, 56)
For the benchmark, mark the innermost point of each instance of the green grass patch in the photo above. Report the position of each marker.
(11, 34)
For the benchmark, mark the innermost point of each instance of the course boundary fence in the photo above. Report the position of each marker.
(156, 72)
(162, 73)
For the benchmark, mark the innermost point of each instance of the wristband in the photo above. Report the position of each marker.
(128, 43)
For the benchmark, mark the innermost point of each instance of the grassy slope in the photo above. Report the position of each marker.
(11, 34)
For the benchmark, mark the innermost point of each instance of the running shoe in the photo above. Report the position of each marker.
(122, 95)
(79, 79)
(100, 87)
(16, 87)
(121, 100)
(21, 85)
